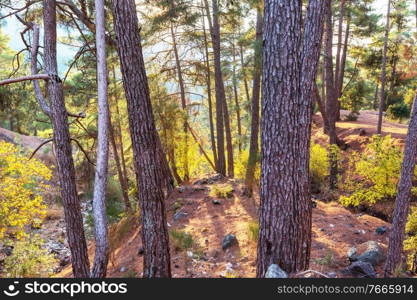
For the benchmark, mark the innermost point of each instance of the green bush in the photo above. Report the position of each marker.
(181, 240)
(241, 165)
(29, 259)
(410, 243)
(319, 163)
(398, 111)
(373, 174)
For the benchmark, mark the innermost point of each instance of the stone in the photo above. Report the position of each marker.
(179, 215)
(216, 202)
(274, 271)
(370, 252)
(361, 269)
(141, 251)
(123, 269)
(381, 230)
(332, 274)
(229, 241)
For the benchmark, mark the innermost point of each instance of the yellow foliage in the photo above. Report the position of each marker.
(22, 183)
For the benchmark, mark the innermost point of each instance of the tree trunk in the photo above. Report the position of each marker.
(384, 71)
(341, 74)
(253, 147)
(331, 101)
(322, 109)
(339, 53)
(229, 143)
(220, 93)
(183, 101)
(150, 166)
(236, 97)
(245, 81)
(209, 97)
(402, 202)
(290, 62)
(65, 163)
(101, 257)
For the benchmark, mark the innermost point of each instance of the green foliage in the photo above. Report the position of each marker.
(410, 243)
(29, 259)
(327, 260)
(409, 97)
(398, 111)
(373, 174)
(319, 163)
(354, 97)
(222, 190)
(253, 230)
(181, 240)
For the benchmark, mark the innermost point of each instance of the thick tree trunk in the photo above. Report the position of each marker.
(65, 163)
(209, 95)
(402, 202)
(331, 101)
(101, 257)
(384, 71)
(256, 91)
(150, 166)
(220, 93)
(289, 69)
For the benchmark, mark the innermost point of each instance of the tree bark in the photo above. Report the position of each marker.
(65, 163)
(290, 59)
(101, 257)
(331, 101)
(402, 202)
(236, 97)
(384, 71)
(220, 93)
(256, 91)
(209, 95)
(150, 166)
(229, 143)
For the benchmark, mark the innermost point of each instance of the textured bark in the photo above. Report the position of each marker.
(290, 60)
(341, 74)
(402, 202)
(322, 108)
(245, 81)
(101, 257)
(384, 71)
(209, 95)
(254, 147)
(219, 85)
(65, 163)
(149, 164)
(331, 101)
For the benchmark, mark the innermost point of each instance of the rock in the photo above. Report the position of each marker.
(274, 271)
(216, 202)
(179, 215)
(362, 132)
(332, 274)
(314, 204)
(190, 254)
(64, 261)
(181, 189)
(369, 252)
(229, 241)
(209, 180)
(123, 269)
(381, 230)
(361, 269)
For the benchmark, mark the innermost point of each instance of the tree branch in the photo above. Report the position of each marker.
(24, 78)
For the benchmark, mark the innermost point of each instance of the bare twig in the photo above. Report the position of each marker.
(83, 151)
(24, 78)
(40, 146)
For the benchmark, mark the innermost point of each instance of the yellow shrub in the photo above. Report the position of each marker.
(319, 163)
(22, 183)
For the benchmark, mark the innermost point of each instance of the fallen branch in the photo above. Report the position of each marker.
(311, 271)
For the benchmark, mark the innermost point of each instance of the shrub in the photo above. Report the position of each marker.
(410, 243)
(319, 163)
(373, 174)
(241, 165)
(327, 260)
(221, 190)
(398, 111)
(181, 240)
(253, 230)
(22, 184)
(29, 259)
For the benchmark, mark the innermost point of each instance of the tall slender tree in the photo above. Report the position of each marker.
(290, 59)
(384, 71)
(149, 161)
(101, 257)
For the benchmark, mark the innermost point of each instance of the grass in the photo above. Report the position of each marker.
(253, 230)
(181, 240)
(221, 190)
(327, 260)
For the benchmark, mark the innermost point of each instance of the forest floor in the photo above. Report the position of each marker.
(335, 230)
